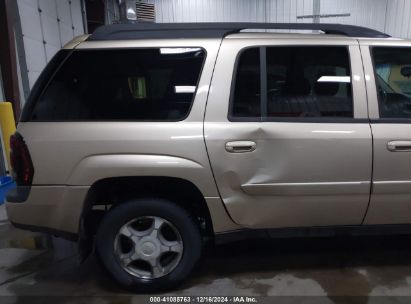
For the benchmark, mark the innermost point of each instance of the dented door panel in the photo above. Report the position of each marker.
(299, 174)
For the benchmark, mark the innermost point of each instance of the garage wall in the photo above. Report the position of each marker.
(368, 13)
(398, 18)
(46, 26)
(231, 10)
(390, 16)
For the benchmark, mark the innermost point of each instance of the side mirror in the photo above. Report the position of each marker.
(406, 71)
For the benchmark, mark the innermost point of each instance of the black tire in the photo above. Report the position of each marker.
(123, 213)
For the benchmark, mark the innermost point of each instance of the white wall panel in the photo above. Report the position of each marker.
(363, 12)
(209, 10)
(64, 15)
(46, 26)
(30, 20)
(32, 3)
(63, 11)
(405, 24)
(398, 18)
(391, 16)
(77, 17)
(66, 33)
(51, 35)
(35, 58)
(47, 6)
(369, 13)
(287, 11)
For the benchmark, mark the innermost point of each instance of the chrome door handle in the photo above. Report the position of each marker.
(240, 146)
(399, 146)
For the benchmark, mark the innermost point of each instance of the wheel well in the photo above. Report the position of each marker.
(110, 192)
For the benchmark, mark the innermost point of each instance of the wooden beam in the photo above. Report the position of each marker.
(8, 58)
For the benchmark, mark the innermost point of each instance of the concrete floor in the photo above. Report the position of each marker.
(317, 270)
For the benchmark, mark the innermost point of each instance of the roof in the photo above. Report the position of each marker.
(219, 30)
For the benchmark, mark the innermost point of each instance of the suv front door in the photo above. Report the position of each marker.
(287, 131)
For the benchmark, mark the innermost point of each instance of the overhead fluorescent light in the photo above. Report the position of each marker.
(184, 89)
(178, 50)
(345, 79)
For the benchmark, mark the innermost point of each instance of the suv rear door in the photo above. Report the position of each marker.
(287, 131)
(387, 65)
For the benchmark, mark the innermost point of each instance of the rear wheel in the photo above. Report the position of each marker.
(149, 245)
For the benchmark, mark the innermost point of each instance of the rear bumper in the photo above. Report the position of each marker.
(18, 194)
(49, 209)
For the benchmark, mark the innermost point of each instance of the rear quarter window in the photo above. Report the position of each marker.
(121, 85)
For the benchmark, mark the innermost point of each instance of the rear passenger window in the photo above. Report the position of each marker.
(393, 79)
(308, 82)
(299, 82)
(139, 84)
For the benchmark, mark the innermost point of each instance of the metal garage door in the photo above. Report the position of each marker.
(46, 26)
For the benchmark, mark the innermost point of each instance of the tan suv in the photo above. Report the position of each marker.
(144, 140)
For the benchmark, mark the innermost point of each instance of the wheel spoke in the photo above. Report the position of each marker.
(158, 222)
(156, 226)
(127, 231)
(133, 234)
(156, 269)
(175, 246)
(135, 256)
(127, 258)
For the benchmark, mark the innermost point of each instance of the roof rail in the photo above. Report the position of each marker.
(219, 30)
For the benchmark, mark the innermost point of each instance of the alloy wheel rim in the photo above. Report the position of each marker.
(148, 247)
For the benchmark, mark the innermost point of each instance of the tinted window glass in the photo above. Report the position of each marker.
(393, 72)
(247, 85)
(143, 84)
(308, 82)
(301, 82)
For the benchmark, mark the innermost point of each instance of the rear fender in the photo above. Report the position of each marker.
(98, 167)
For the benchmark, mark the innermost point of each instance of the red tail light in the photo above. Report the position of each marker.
(20, 159)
